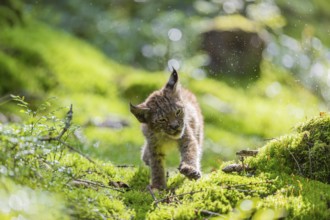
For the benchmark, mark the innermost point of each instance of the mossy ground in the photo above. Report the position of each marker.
(33, 171)
(40, 63)
(304, 153)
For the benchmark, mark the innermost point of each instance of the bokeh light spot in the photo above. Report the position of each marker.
(174, 34)
(173, 63)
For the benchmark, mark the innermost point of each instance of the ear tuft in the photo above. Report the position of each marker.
(173, 80)
(174, 72)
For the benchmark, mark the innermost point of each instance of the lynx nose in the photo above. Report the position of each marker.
(174, 126)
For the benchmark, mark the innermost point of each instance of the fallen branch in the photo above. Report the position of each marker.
(125, 166)
(79, 183)
(168, 198)
(248, 184)
(247, 153)
(208, 213)
(241, 167)
(236, 168)
(119, 184)
(234, 187)
(245, 190)
(91, 183)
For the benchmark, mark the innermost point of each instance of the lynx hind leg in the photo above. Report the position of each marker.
(190, 159)
(146, 155)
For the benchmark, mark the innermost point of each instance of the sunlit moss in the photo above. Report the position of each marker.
(52, 168)
(302, 153)
(231, 22)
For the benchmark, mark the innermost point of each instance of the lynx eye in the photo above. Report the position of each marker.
(178, 112)
(163, 120)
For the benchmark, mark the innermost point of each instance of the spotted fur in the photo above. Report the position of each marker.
(171, 115)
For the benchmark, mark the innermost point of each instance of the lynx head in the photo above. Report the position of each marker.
(163, 111)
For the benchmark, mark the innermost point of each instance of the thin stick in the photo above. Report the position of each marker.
(124, 166)
(152, 193)
(179, 195)
(247, 184)
(247, 153)
(296, 162)
(310, 161)
(245, 190)
(77, 151)
(209, 213)
(236, 168)
(84, 182)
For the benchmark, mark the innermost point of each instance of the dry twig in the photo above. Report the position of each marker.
(310, 159)
(91, 183)
(247, 153)
(152, 193)
(168, 198)
(296, 162)
(249, 184)
(125, 166)
(236, 168)
(208, 213)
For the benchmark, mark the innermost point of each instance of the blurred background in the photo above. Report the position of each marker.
(257, 67)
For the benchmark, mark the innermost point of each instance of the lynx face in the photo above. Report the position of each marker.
(164, 110)
(168, 118)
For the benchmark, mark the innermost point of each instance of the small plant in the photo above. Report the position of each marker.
(42, 154)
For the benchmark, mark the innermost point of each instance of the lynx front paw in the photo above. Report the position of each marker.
(157, 187)
(190, 172)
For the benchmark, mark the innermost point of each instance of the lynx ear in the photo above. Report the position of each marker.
(141, 113)
(173, 81)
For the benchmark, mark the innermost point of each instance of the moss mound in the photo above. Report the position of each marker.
(305, 153)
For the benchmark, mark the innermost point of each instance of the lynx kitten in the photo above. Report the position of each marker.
(168, 115)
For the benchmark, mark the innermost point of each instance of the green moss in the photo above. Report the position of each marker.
(303, 153)
(87, 189)
(236, 197)
(233, 22)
